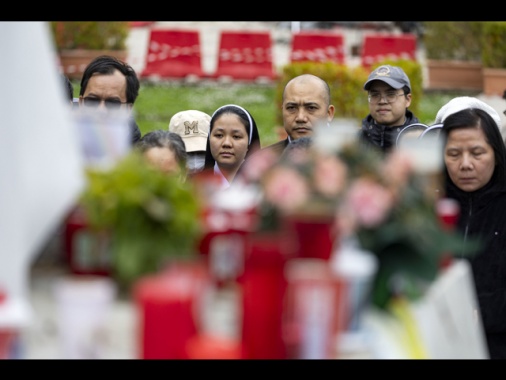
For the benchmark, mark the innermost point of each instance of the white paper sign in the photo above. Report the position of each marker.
(448, 319)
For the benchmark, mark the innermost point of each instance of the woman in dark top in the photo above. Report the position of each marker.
(475, 175)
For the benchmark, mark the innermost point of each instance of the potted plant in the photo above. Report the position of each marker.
(151, 218)
(453, 52)
(79, 42)
(493, 49)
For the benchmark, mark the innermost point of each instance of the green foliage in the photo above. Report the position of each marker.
(157, 103)
(151, 216)
(477, 41)
(493, 44)
(92, 35)
(410, 247)
(453, 40)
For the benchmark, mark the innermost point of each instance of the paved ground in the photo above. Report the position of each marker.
(119, 335)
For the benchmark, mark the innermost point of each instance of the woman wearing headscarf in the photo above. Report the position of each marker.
(233, 137)
(475, 175)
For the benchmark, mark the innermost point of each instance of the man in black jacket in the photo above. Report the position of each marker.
(389, 95)
(110, 83)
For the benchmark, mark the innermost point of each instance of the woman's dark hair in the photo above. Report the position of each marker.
(164, 139)
(106, 64)
(249, 124)
(472, 118)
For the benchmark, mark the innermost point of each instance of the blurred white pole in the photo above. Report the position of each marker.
(295, 26)
(41, 169)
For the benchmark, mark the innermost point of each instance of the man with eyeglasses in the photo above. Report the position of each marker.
(110, 84)
(389, 96)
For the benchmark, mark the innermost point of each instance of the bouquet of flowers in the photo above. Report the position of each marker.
(380, 200)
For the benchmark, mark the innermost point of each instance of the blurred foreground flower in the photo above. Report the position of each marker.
(382, 201)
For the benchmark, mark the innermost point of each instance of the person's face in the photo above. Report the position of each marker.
(162, 158)
(106, 87)
(469, 158)
(304, 107)
(385, 113)
(228, 141)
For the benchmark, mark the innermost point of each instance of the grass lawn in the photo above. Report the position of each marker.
(158, 102)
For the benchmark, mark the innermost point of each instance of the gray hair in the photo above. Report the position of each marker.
(164, 139)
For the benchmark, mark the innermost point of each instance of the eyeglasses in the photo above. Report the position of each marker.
(109, 103)
(390, 97)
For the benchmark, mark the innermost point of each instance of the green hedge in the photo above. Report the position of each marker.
(493, 43)
(92, 35)
(476, 41)
(452, 40)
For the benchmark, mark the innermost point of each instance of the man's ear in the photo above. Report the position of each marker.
(331, 112)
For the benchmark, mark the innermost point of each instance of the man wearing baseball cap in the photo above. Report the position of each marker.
(193, 127)
(389, 95)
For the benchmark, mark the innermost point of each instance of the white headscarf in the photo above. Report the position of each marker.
(247, 114)
(463, 102)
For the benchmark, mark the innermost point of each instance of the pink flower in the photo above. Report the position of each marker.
(329, 175)
(396, 169)
(258, 164)
(286, 188)
(369, 202)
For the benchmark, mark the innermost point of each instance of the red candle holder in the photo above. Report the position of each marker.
(222, 244)
(169, 305)
(314, 312)
(263, 287)
(88, 252)
(312, 236)
(448, 211)
(7, 340)
(206, 346)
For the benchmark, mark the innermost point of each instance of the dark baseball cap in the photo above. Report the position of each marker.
(394, 76)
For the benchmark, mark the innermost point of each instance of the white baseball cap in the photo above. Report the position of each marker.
(193, 126)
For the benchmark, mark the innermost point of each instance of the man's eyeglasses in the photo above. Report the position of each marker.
(390, 97)
(109, 103)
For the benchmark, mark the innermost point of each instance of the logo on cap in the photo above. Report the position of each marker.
(191, 126)
(383, 71)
